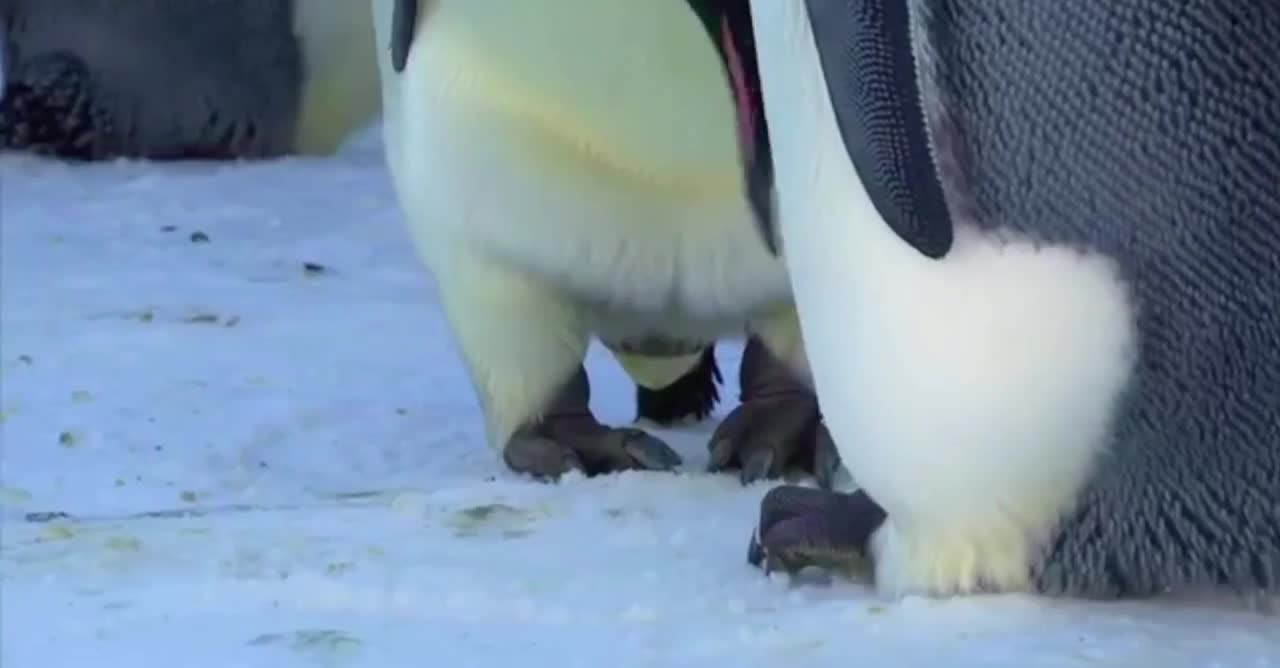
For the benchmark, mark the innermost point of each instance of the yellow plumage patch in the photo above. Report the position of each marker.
(640, 95)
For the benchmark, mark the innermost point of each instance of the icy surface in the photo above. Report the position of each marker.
(165, 348)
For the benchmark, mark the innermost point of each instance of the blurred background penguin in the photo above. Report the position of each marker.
(197, 79)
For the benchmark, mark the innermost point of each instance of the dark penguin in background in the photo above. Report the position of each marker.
(1035, 249)
(198, 79)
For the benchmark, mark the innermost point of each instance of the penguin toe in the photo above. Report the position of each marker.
(540, 457)
(764, 437)
(826, 459)
(802, 527)
(588, 447)
(644, 450)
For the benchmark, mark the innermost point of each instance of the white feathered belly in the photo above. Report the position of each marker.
(480, 165)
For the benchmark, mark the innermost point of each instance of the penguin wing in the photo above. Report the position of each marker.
(404, 20)
(869, 65)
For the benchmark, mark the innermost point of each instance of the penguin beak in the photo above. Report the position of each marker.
(728, 24)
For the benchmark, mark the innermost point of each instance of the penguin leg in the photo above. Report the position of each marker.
(776, 425)
(801, 527)
(523, 343)
(48, 109)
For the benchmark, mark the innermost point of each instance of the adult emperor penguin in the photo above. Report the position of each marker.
(1035, 250)
(207, 79)
(566, 171)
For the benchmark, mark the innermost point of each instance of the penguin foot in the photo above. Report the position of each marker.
(776, 426)
(765, 436)
(801, 527)
(47, 108)
(569, 438)
(557, 446)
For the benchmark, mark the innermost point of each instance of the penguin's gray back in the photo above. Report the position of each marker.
(1149, 131)
(158, 78)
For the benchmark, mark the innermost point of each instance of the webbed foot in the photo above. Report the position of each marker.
(568, 437)
(777, 425)
(802, 526)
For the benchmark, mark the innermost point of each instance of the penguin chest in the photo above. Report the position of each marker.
(639, 232)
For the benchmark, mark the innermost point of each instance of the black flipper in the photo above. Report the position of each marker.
(404, 20)
(693, 394)
(728, 25)
(866, 53)
(47, 108)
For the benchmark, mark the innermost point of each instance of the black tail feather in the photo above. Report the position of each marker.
(693, 394)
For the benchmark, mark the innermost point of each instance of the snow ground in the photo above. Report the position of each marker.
(347, 513)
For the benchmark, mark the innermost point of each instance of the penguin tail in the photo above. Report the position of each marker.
(693, 394)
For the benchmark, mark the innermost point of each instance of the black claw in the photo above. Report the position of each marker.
(755, 551)
(758, 466)
(570, 461)
(721, 453)
(826, 459)
(650, 452)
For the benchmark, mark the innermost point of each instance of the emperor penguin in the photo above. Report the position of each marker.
(1035, 251)
(196, 79)
(568, 171)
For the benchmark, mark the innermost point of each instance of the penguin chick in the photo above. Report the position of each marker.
(1039, 285)
(198, 79)
(566, 173)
